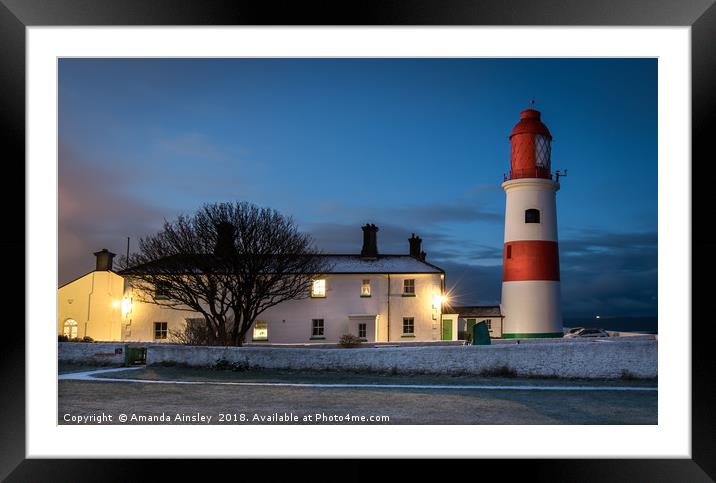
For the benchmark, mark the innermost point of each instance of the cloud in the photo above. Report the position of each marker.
(171, 168)
(348, 238)
(194, 145)
(473, 284)
(426, 215)
(610, 273)
(601, 272)
(445, 213)
(95, 212)
(604, 272)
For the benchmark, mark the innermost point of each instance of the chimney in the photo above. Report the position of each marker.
(224, 238)
(104, 260)
(370, 242)
(415, 242)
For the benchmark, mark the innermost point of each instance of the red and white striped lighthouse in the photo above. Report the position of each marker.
(531, 301)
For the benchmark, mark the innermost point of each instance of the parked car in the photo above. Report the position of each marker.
(573, 330)
(582, 332)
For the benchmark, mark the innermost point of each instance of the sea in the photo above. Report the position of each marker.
(644, 324)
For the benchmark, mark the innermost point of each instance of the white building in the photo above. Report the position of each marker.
(381, 298)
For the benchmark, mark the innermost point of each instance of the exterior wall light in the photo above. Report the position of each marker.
(438, 299)
(126, 306)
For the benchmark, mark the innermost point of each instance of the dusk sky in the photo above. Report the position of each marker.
(412, 145)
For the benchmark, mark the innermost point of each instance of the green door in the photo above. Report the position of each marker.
(470, 323)
(447, 329)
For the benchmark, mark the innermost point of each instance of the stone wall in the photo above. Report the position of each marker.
(99, 353)
(588, 359)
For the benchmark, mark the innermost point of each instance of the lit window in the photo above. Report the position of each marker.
(317, 328)
(408, 325)
(318, 289)
(365, 288)
(532, 216)
(260, 330)
(160, 330)
(409, 286)
(362, 330)
(70, 329)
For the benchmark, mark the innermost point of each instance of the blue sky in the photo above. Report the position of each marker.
(413, 145)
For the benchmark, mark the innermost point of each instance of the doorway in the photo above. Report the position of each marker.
(70, 329)
(447, 329)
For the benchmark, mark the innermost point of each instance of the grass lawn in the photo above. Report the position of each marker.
(68, 368)
(399, 405)
(342, 377)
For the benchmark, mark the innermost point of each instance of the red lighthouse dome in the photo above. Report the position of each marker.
(531, 147)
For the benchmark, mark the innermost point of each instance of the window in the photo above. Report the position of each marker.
(365, 288)
(408, 325)
(532, 216)
(362, 330)
(318, 288)
(160, 330)
(317, 329)
(260, 330)
(70, 328)
(508, 251)
(409, 287)
(543, 151)
(161, 291)
(488, 323)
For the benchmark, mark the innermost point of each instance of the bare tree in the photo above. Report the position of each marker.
(229, 262)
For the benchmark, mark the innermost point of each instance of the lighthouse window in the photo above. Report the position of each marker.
(509, 251)
(531, 216)
(543, 151)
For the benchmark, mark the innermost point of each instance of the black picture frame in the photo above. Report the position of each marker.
(700, 15)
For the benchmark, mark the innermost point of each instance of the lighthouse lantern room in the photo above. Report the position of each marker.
(531, 300)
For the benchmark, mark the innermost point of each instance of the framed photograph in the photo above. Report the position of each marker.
(462, 230)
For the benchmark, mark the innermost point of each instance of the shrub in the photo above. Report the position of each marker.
(628, 376)
(222, 364)
(193, 332)
(87, 339)
(349, 340)
(63, 338)
(498, 371)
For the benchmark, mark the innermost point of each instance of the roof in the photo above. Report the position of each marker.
(339, 264)
(83, 276)
(475, 311)
(384, 264)
(530, 123)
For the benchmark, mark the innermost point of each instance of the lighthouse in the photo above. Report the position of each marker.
(531, 301)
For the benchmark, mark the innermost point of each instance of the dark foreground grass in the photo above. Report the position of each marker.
(70, 367)
(248, 404)
(345, 377)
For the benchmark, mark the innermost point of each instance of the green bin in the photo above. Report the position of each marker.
(480, 334)
(134, 355)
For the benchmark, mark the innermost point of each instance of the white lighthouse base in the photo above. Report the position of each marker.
(531, 309)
